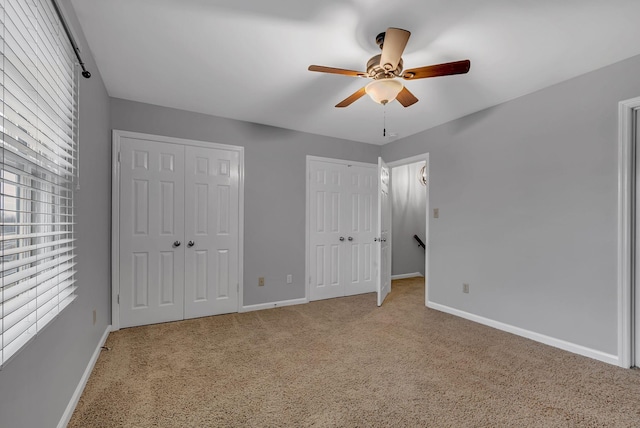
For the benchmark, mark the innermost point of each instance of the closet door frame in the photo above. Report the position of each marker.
(115, 210)
(309, 160)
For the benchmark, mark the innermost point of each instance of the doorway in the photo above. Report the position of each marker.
(409, 199)
(412, 202)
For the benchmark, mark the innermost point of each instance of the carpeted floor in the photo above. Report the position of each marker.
(347, 363)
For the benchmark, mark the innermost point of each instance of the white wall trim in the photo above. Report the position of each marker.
(68, 412)
(407, 275)
(547, 340)
(626, 176)
(115, 210)
(271, 305)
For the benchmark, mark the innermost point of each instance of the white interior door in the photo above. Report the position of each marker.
(384, 231)
(360, 214)
(151, 231)
(342, 227)
(327, 249)
(211, 231)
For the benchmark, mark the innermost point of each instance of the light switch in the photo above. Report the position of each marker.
(436, 213)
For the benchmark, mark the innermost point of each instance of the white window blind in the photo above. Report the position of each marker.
(38, 168)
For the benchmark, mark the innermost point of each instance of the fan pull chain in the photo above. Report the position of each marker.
(384, 121)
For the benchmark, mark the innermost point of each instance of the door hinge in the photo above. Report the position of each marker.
(118, 157)
(118, 299)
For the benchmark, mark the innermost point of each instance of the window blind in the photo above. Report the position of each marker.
(38, 167)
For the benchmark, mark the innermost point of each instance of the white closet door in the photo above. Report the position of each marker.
(327, 251)
(211, 231)
(151, 232)
(360, 225)
(384, 231)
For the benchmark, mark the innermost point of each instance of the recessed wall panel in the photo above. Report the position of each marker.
(320, 250)
(167, 207)
(224, 167)
(140, 280)
(202, 275)
(224, 209)
(355, 263)
(223, 274)
(335, 212)
(140, 206)
(355, 212)
(367, 262)
(202, 209)
(320, 198)
(167, 162)
(167, 279)
(368, 213)
(335, 265)
(202, 166)
(140, 159)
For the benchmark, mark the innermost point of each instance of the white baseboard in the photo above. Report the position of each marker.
(66, 416)
(271, 305)
(547, 340)
(407, 275)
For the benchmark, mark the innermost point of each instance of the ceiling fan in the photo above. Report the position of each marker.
(386, 68)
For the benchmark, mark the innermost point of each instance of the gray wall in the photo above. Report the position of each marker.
(37, 385)
(275, 186)
(409, 201)
(527, 193)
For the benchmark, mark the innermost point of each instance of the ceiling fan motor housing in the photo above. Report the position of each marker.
(375, 71)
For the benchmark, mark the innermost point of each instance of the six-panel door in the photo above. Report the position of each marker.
(151, 232)
(211, 230)
(179, 231)
(342, 220)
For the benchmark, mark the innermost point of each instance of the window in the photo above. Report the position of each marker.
(38, 162)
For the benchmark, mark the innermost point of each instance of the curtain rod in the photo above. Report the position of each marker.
(85, 72)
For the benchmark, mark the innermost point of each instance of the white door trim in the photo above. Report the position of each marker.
(626, 177)
(406, 161)
(307, 216)
(115, 210)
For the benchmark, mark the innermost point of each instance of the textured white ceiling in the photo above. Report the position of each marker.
(248, 59)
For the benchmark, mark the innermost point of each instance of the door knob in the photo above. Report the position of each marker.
(350, 238)
(177, 243)
(190, 244)
(342, 238)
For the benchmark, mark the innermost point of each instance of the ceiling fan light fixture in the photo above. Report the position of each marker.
(383, 91)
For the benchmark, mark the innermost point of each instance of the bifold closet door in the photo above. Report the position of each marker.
(151, 232)
(211, 231)
(342, 221)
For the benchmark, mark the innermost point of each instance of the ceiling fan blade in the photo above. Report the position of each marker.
(351, 98)
(332, 70)
(406, 98)
(446, 69)
(395, 40)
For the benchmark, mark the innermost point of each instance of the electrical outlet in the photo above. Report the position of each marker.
(289, 279)
(465, 288)
(261, 281)
(94, 317)
(436, 213)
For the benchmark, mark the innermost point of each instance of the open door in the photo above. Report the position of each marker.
(384, 231)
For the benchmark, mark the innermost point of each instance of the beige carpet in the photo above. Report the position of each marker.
(346, 363)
